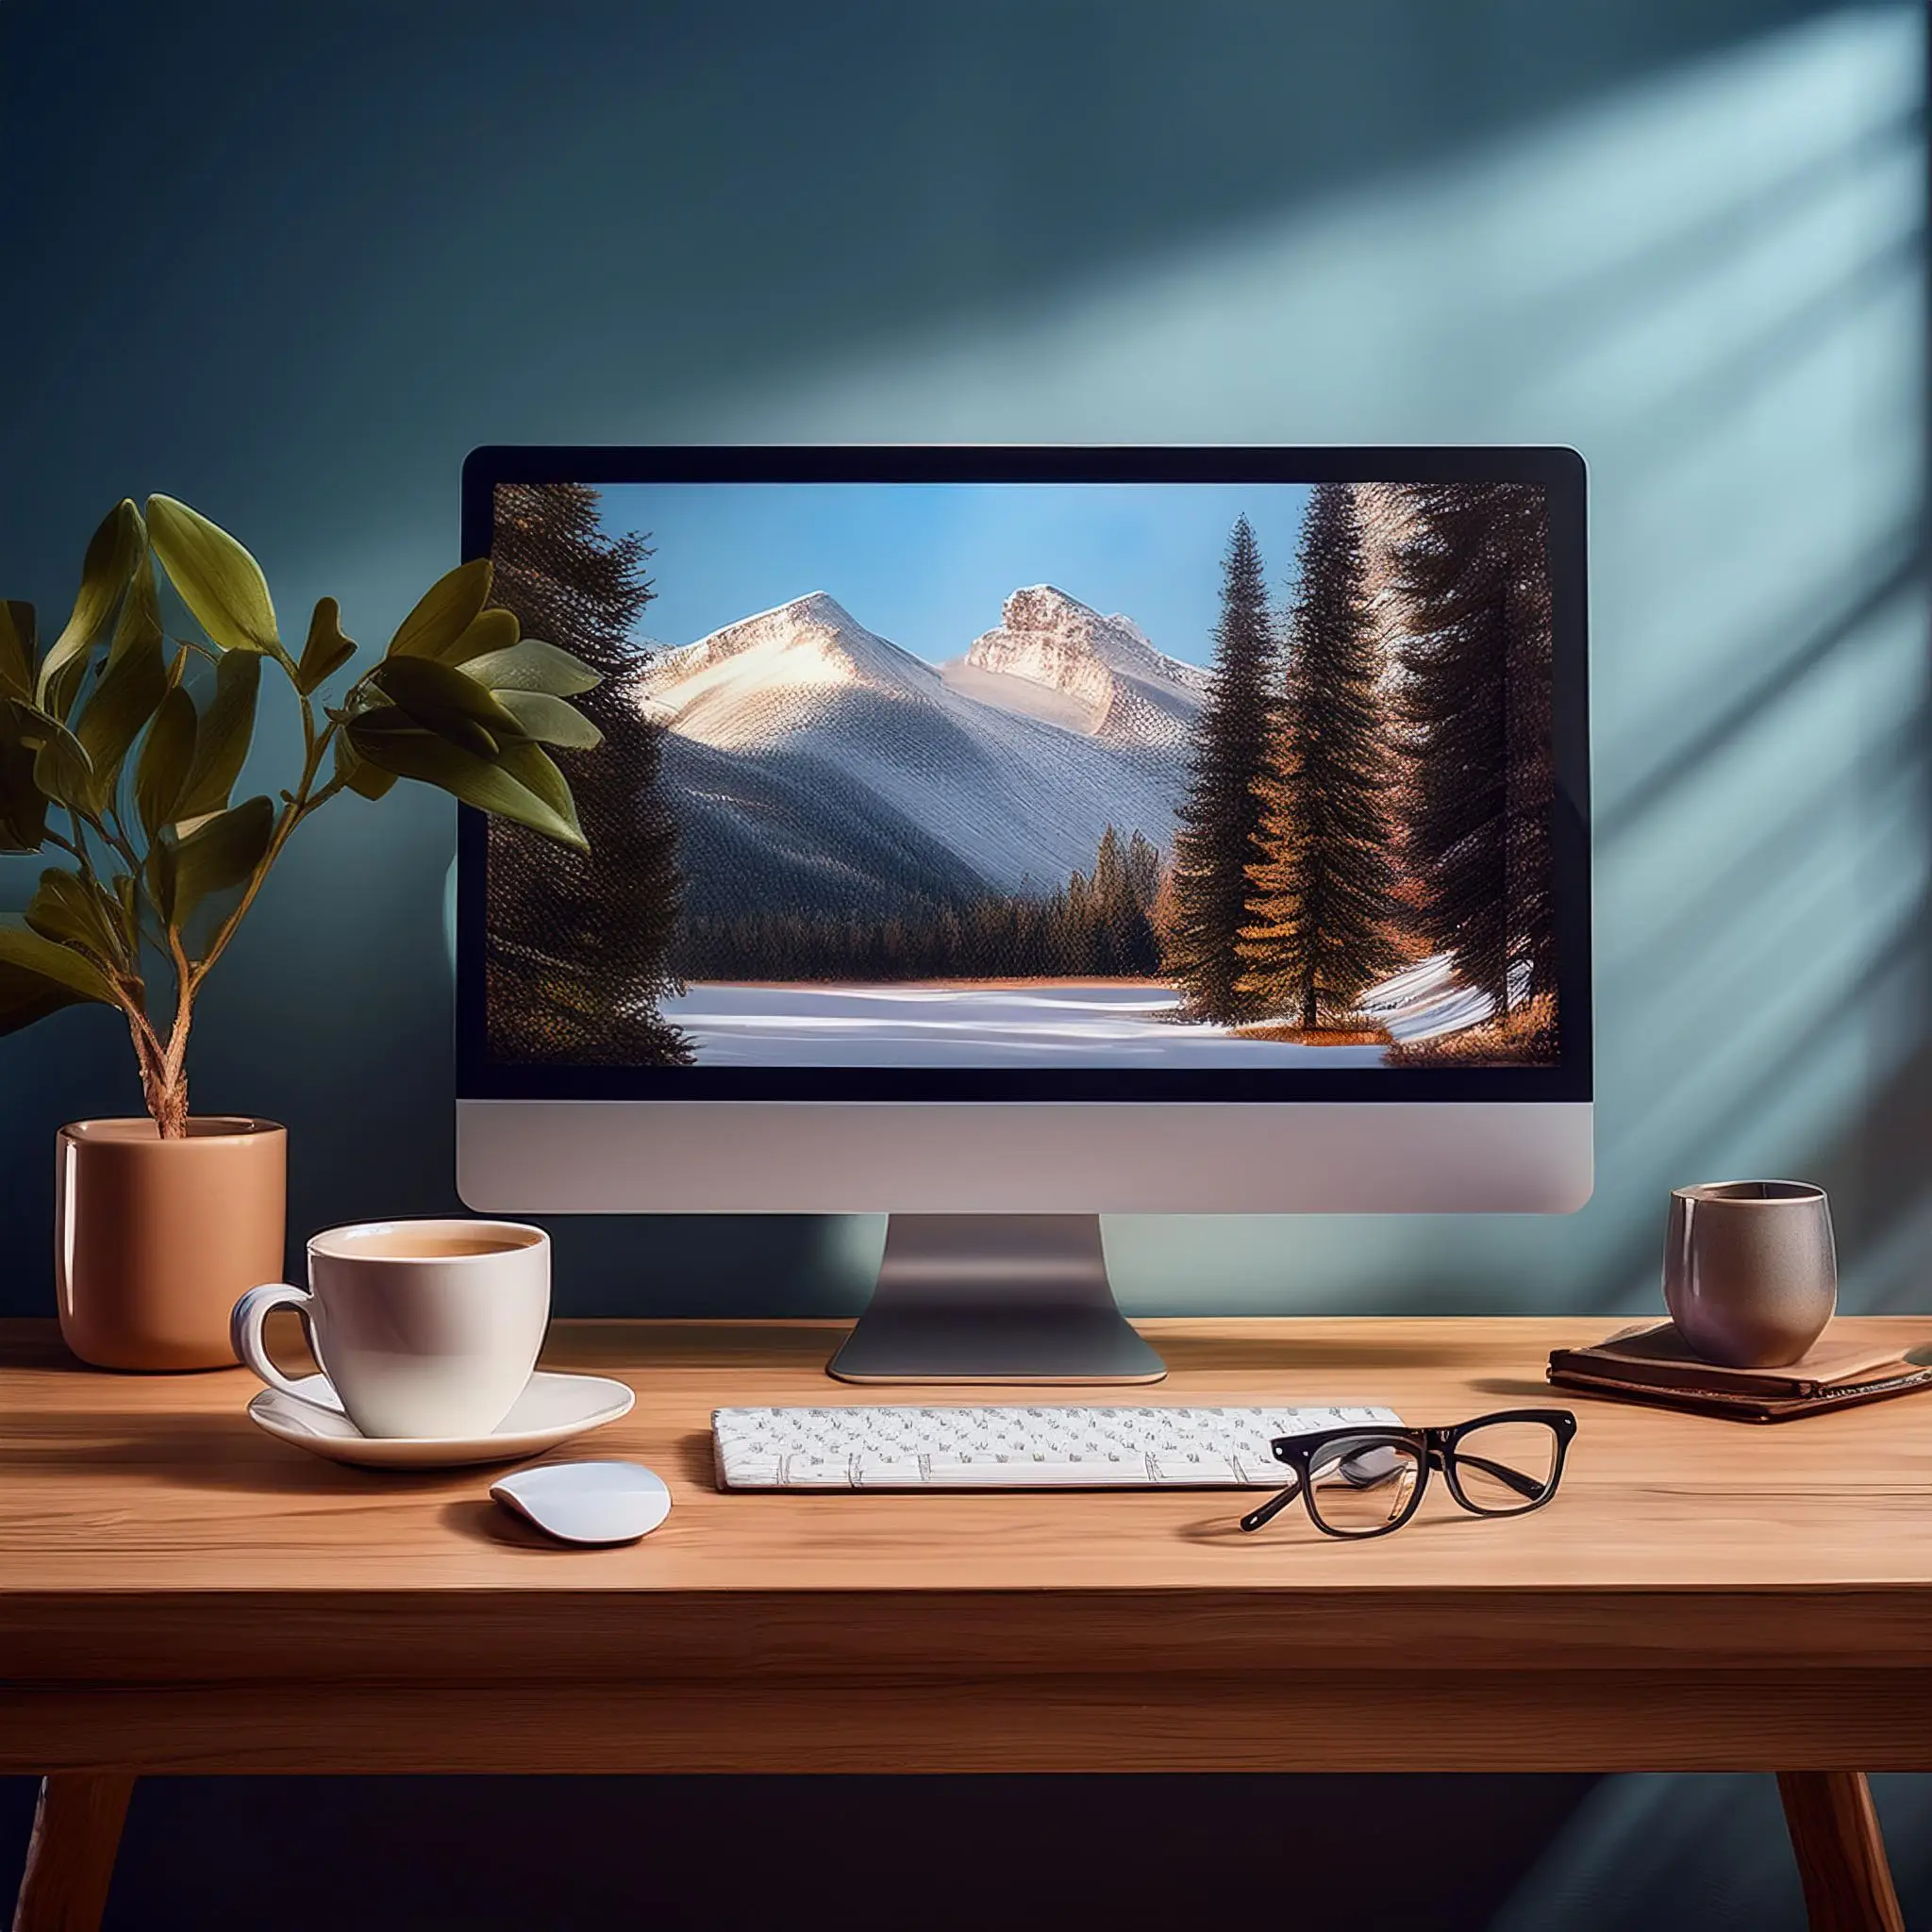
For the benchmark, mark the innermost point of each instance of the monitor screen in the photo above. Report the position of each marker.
(1066, 777)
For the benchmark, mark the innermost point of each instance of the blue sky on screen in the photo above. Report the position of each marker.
(929, 564)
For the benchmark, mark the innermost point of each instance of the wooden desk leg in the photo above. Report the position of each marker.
(70, 1858)
(1841, 1851)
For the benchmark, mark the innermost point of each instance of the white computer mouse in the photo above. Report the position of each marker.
(588, 1502)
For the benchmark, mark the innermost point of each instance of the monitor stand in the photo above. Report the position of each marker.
(995, 1298)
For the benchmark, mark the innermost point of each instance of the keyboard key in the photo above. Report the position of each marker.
(811, 1473)
(889, 1475)
(1215, 1472)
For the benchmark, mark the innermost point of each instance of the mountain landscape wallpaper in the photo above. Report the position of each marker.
(1037, 775)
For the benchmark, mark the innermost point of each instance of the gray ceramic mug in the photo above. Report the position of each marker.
(1750, 1272)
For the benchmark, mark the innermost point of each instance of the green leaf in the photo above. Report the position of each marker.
(64, 685)
(326, 651)
(39, 975)
(161, 776)
(62, 769)
(217, 579)
(158, 873)
(16, 649)
(380, 719)
(447, 702)
(392, 721)
(220, 854)
(73, 910)
(23, 803)
(358, 774)
(549, 720)
(533, 665)
(26, 996)
(221, 744)
(113, 553)
(140, 609)
(126, 698)
(533, 767)
(444, 611)
(512, 785)
(490, 630)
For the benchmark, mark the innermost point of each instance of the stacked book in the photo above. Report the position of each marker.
(1651, 1363)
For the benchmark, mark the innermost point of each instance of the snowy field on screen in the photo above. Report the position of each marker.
(1043, 1023)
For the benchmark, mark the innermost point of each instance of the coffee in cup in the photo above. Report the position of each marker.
(425, 1328)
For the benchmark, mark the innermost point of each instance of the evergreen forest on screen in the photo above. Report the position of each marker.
(1374, 782)
(577, 956)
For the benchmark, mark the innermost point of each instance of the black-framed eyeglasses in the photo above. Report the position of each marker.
(1368, 1482)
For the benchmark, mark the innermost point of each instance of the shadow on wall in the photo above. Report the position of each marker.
(1638, 1853)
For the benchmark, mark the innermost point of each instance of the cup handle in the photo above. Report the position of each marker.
(244, 1330)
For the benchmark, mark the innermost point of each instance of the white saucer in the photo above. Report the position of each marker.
(551, 1409)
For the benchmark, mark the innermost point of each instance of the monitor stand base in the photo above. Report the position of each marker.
(995, 1298)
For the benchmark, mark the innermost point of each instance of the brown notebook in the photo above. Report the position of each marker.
(1650, 1363)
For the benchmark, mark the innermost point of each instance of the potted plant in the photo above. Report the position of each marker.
(121, 745)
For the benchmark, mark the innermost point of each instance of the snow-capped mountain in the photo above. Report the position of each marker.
(817, 765)
(1053, 657)
(754, 682)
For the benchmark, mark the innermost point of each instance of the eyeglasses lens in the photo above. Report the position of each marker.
(1504, 1467)
(1361, 1487)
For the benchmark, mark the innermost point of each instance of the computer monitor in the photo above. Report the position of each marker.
(996, 838)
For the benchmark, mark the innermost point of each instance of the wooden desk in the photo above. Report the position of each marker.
(178, 1592)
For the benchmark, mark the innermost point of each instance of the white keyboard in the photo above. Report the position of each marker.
(1039, 1447)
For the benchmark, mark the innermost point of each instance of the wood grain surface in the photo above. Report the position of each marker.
(178, 1591)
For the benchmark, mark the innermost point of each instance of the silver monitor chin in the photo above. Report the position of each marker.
(595, 1157)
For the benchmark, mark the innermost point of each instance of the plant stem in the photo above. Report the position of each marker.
(77, 844)
(78, 847)
(115, 840)
(166, 1098)
(163, 1070)
(298, 807)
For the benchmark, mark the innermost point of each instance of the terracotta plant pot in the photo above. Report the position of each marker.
(156, 1241)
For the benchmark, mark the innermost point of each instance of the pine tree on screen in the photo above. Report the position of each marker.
(1320, 895)
(1475, 701)
(577, 944)
(1219, 829)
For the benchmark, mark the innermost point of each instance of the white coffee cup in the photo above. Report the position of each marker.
(425, 1328)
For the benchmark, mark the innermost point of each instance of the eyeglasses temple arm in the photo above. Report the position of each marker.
(1257, 1519)
(1523, 1485)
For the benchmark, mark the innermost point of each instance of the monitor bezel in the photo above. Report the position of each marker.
(1561, 471)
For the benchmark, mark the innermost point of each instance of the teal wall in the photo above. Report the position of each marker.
(1684, 238)
(290, 264)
